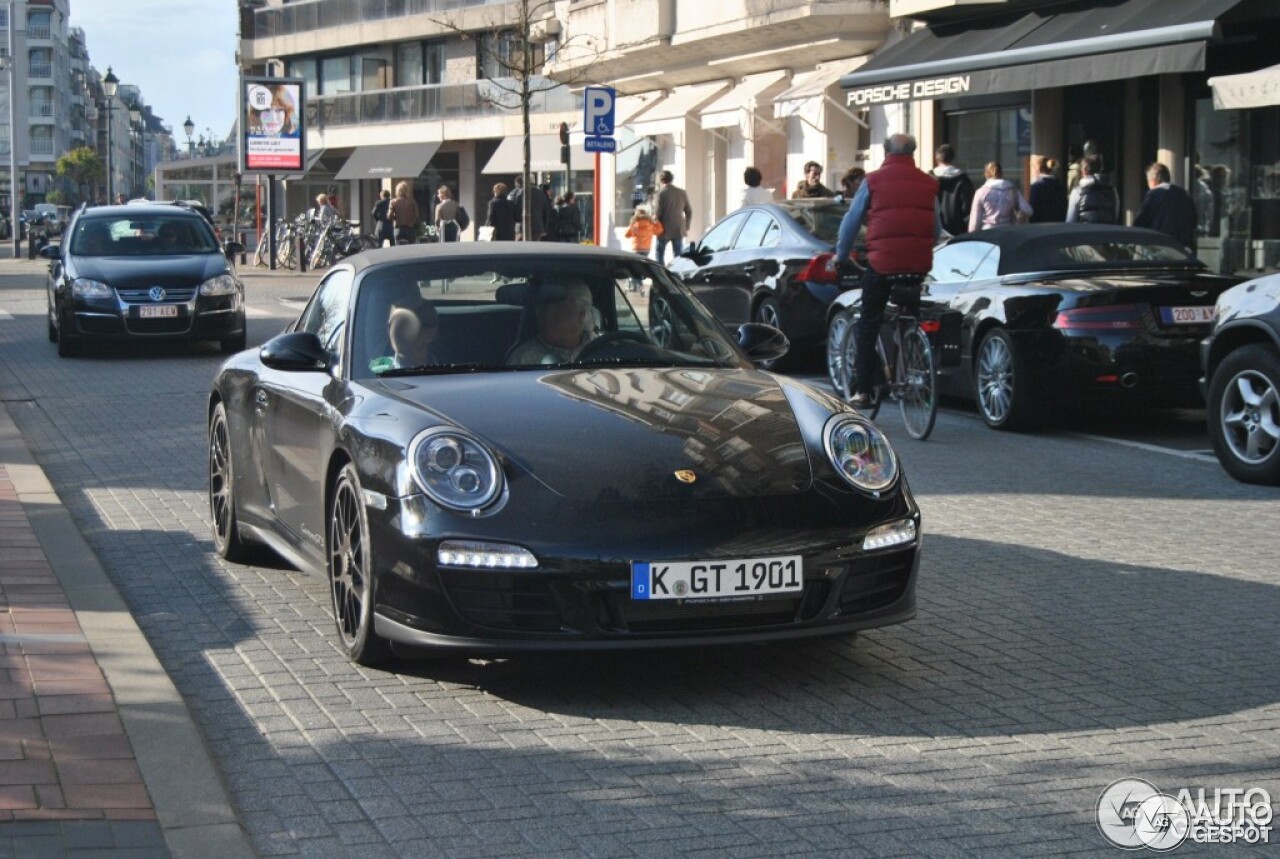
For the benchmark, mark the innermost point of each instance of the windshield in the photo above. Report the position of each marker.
(151, 235)
(520, 313)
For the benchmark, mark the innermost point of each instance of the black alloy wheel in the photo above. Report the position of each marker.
(222, 499)
(350, 576)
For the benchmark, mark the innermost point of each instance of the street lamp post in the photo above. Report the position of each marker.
(14, 226)
(109, 84)
(135, 149)
(189, 127)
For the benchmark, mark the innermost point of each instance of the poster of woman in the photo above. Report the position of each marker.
(273, 125)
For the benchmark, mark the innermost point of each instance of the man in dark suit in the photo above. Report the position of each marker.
(1167, 207)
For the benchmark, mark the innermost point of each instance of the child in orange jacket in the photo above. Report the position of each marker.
(642, 230)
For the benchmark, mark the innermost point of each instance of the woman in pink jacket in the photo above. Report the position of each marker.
(997, 202)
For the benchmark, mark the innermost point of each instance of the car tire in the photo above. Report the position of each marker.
(1244, 414)
(837, 370)
(52, 329)
(348, 567)
(227, 541)
(234, 344)
(766, 312)
(68, 345)
(1003, 400)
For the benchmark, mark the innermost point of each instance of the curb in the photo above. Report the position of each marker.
(191, 802)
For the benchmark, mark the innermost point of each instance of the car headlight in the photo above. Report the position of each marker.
(455, 469)
(82, 287)
(223, 284)
(860, 452)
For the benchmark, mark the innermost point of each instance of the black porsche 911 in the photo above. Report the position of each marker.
(150, 271)
(495, 448)
(1053, 314)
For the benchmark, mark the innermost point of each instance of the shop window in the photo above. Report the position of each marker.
(981, 136)
(499, 55)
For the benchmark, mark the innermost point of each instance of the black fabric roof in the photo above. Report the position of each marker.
(1028, 247)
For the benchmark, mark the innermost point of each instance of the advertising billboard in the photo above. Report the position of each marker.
(272, 122)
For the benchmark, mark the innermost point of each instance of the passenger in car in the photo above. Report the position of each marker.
(565, 325)
(412, 331)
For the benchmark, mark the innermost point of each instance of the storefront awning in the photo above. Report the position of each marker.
(1079, 43)
(544, 155)
(391, 160)
(313, 156)
(1252, 89)
(668, 115)
(726, 111)
(809, 86)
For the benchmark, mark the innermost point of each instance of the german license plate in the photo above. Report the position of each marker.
(683, 580)
(1201, 315)
(157, 311)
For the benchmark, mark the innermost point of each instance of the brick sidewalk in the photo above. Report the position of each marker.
(64, 754)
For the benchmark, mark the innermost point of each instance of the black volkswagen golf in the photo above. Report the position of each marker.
(142, 272)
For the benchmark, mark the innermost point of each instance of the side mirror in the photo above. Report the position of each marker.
(762, 342)
(690, 251)
(53, 251)
(231, 248)
(295, 351)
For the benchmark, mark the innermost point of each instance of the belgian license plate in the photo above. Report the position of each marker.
(157, 311)
(1200, 315)
(676, 580)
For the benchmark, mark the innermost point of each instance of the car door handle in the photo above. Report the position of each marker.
(260, 400)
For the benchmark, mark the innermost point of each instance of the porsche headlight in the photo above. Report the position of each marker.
(223, 284)
(860, 452)
(82, 287)
(455, 469)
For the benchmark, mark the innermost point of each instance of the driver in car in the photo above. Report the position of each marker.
(565, 326)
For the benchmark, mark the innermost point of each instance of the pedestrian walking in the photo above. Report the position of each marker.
(516, 196)
(501, 217)
(1048, 196)
(1093, 201)
(674, 213)
(811, 186)
(382, 229)
(568, 219)
(450, 216)
(642, 231)
(955, 191)
(404, 216)
(752, 192)
(1166, 207)
(997, 202)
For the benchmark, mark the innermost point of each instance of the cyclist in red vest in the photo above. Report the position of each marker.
(898, 203)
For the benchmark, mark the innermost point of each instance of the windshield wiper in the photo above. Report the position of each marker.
(436, 370)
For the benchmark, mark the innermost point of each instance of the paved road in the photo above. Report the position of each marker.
(1088, 611)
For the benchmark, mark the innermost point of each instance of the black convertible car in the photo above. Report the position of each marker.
(1053, 314)
(533, 446)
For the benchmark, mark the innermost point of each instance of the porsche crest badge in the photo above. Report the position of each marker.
(686, 475)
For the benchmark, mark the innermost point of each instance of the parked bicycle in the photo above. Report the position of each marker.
(906, 370)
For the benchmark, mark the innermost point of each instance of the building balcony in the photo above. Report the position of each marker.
(39, 70)
(650, 44)
(436, 102)
(40, 110)
(39, 33)
(321, 14)
(39, 146)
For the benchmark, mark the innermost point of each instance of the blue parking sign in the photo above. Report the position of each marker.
(597, 111)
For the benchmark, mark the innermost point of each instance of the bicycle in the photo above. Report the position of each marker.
(912, 377)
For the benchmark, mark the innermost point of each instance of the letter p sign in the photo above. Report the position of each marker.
(597, 111)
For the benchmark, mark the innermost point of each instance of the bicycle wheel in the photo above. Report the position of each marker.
(917, 384)
(849, 353)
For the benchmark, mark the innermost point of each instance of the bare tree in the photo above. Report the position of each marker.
(514, 50)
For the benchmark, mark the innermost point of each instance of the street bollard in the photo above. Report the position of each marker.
(244, 238)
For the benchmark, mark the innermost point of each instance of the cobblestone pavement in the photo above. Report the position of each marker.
(1088, 612)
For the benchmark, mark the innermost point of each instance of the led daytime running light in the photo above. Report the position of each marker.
(480, 555)
(892, 534)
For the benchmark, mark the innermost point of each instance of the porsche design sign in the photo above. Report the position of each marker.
(910, 91)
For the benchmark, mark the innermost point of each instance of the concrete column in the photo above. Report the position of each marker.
(467, 183)
(1132, 159)
(1046, 126)
(926, 132)
(1171, 143)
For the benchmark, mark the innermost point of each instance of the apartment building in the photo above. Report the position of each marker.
(708, 89)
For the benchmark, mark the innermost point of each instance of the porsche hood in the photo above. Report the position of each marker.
(629, 434)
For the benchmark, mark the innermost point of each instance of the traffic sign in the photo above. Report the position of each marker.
(599, 144)
(597, 112)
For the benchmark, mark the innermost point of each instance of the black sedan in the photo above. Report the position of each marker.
(142, 272)
(538, 447)
(1057, 314)
(1241, 359)
(771, 263)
